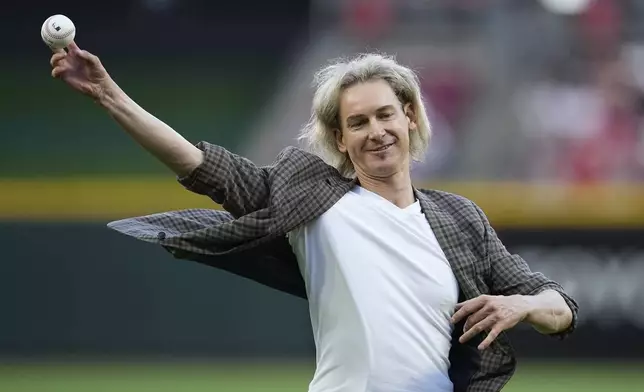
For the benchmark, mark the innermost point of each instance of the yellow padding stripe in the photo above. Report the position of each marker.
(93, 199)
(506, 204)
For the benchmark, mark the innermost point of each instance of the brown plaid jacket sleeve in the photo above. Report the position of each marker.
(510, 274)
(231, 180)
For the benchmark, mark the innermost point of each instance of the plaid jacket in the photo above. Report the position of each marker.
(262, 204)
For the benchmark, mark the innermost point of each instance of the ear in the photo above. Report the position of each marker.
(411, 116)
(339, 141)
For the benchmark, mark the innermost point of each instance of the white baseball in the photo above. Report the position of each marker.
(58, 31)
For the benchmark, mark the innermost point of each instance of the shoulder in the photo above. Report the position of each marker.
(302, 163)
(292, 153)
(450, 201)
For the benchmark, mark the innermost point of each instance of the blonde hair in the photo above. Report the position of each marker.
(331, 80)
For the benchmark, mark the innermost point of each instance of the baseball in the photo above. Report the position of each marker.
(58, 31)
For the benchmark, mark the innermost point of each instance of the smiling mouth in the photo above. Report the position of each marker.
(382, 148)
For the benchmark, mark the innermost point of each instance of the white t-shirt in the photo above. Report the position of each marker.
(381, 293)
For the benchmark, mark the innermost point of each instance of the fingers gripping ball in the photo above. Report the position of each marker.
(58, 31)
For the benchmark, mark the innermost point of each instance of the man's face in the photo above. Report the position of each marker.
(374, 129)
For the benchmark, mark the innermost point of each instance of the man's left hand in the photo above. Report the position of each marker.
(490, 313)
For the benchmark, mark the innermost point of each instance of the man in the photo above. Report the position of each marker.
(409, 290)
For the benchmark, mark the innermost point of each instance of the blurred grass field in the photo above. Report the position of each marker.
(202, 377)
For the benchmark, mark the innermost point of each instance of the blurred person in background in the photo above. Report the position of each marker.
(585, 120)
(448, 92)
(408, 289)
(612, 152)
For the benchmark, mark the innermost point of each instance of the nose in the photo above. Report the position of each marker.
(376, 130)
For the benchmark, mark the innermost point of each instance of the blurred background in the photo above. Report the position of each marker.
(537, 109)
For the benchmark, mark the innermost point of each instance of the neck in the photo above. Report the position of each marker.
(396, 188)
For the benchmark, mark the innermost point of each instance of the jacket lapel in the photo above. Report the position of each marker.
(453, 242)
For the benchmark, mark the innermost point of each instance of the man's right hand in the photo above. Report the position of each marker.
(81, 70)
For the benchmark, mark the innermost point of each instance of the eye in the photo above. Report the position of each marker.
(386, 115)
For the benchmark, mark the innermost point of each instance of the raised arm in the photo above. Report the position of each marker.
(236, 183)
(158, 138)
(85, 73)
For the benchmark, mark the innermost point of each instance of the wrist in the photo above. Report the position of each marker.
(110, 95)
(532, 308)
(529, 306)
(547, 312)
(535, 316)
